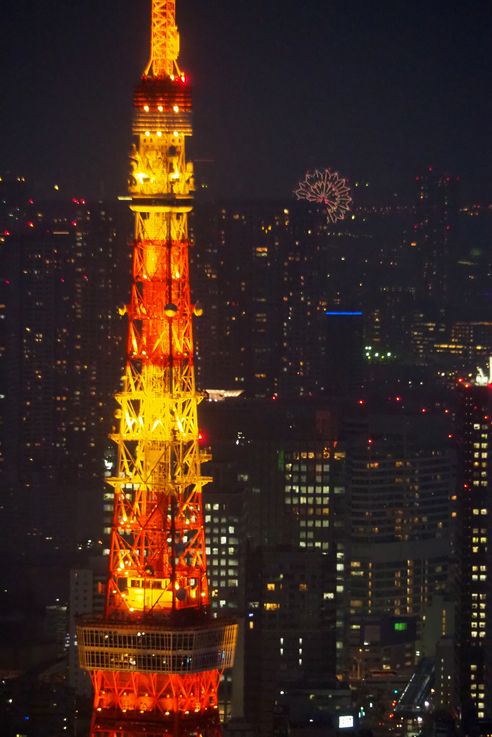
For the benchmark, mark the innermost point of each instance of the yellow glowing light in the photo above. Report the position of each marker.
(160, 108)
(146, 108)
(55, 186)
(175, 134)
(159, 134)
(170, 310)
(147, 133)
(176, 108)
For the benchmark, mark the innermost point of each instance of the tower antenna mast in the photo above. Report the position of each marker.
(164, 40)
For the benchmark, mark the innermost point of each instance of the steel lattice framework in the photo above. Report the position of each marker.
(156, 652)
(164, 41)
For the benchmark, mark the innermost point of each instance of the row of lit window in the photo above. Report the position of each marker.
(159, 134)
(160, 108)
(312, 509)
(308, 489)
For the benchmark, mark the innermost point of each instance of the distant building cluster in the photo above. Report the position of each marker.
(64, 269)
(348, 518)
(280, 287)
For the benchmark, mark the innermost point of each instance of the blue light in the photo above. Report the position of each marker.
(343, 312)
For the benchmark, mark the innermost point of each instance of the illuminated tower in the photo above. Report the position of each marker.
(156, 656)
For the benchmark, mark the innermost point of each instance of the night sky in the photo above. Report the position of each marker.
(377, 89)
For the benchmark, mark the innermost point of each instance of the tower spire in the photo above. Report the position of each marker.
(164, 40)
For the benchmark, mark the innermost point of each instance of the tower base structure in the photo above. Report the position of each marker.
(193, 726)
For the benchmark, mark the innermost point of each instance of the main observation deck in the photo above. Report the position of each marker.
(144, 648)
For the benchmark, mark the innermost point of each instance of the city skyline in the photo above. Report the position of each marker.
(327, 507)
(376, 93)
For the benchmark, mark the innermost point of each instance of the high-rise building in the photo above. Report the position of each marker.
(474, 628)
(399, 487)
(86, 597)
(239, 284)
(289, 629)
(156, 656)
(434, 234)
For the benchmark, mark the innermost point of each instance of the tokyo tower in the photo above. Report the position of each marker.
(156, 656)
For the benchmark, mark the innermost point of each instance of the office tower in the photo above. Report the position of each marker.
(289, 629)
(86, 597)
(399, 486)
(156, 656)
(434, 234)
(468, 345)
(344, 360)
(474, 631)
(306, 295)
(239, 285)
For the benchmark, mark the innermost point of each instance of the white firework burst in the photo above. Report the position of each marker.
(327, 188)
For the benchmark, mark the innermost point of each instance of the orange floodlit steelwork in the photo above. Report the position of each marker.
(156, 654)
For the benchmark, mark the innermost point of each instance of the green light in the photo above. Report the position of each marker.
(400, 626)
